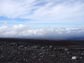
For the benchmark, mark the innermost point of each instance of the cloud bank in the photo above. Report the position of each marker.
(23, 31)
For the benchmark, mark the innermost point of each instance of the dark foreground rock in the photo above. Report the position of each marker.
(40, 51)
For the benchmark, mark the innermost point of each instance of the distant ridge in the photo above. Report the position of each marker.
(43, 42)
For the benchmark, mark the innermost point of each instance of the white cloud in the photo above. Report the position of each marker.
(54, 10)
(21, 31)
(58, 12)
(14, 8)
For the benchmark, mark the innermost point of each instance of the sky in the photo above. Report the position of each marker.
(45, 19)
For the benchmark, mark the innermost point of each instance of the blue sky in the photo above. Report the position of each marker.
(40, 14)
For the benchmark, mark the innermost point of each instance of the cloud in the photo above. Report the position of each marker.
(14, 8)
(23, 31)
(43, 10)
(59, 12)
